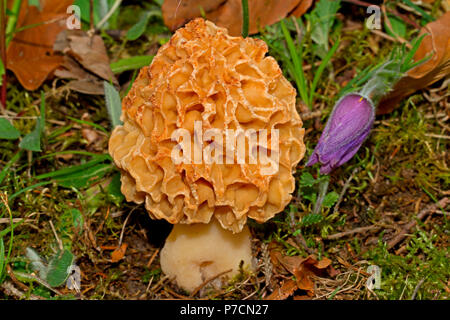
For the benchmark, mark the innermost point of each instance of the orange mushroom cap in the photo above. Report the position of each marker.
(203, 75)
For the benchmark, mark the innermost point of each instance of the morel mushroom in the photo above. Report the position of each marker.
(212, 88)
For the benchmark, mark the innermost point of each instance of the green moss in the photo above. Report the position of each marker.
(423, 262)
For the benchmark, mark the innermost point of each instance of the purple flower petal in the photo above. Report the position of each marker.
(347, 128)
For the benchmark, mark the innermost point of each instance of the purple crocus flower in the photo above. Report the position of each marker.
(348, 126)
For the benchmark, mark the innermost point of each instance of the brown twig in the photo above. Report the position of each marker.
(159, 284)
(416, 289)
(359, 3)
(353, 231)
(299, 237)
(152, 258)
(14, 220)
(179, 296)
(344, 190)
(311, 115)
(267, 266)
(58, 240)
(124, 224)
(422, 214)
(388, 22)
(200, 287)
(10, 290)
(404, 17)
(39, 280)
(15, 280)
(383, 35)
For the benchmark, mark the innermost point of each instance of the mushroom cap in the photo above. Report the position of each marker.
(224, 83)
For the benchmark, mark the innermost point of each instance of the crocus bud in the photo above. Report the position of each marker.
(348, 126)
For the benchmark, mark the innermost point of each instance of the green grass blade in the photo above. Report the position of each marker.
(5, 170)
(2, 258)
(245, 18)
(84, 178)
(2, 71)
(424, 14)
(132, 63)
(42, 122)
(139, 28)
(319, 71)
(18, 193)
(12, 20)
(410, 55)
(8, 229)
(89, 123)
(133, 77)
(73, 169)
(82, 153)
(298, 69)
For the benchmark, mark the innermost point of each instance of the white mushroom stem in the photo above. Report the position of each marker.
(196, 253)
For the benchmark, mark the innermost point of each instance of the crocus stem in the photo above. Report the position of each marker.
(323, 187)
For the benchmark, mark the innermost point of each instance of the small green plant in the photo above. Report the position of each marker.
(32, 140)
(313, 194)
(309, 189)
(56, 271)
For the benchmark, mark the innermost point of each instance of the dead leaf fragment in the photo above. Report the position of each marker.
(302, 7)
(307, 269)
(119, 253)
(286, 290)
(228, 13)
(304, 269)
(436, 42)
(30, 53)
(90, 135)
(91, 54)
(85, 61)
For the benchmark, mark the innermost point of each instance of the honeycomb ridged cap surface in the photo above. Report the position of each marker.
(225, 83)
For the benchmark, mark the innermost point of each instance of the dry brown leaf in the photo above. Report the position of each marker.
(87, 86)
(91, 54)
(438, 66)
(30, 53)
(85, 60)
(228, 14)
(307, 268)
(302, 7)
(304, 269)
(322, 264)
(177, 13)
(119, 253)
(90, 135)
(83, 82)
(286, 290)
